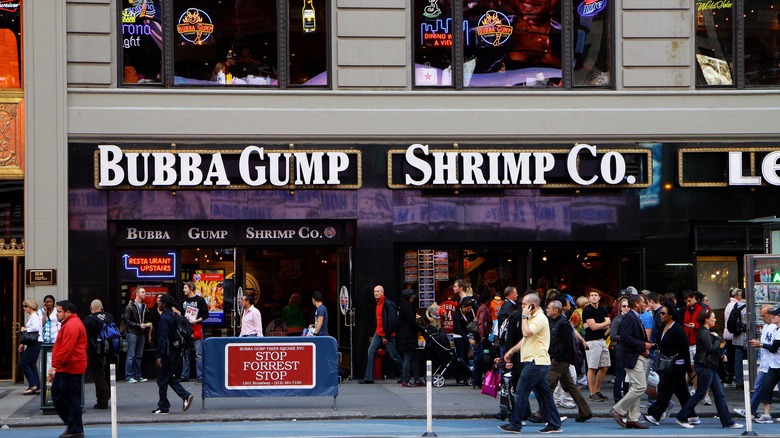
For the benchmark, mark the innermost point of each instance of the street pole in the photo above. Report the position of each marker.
(112, 377)
(748, 413)
(429, 397)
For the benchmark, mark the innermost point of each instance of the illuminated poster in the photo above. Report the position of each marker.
(208, 284)
(148, 264)
(141, 41)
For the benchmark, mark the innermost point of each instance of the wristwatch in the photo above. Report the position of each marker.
(525, 316)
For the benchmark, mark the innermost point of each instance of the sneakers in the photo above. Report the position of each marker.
(740, 412)
(734, 426)
(406, 385)
(131, 380)
(707, 401)
(567, 405)
(419, 383)
(187, 403)
(602, 396)
(684, 424)
(159, 411)
(141, 379)
(595, 398)
(765, 419)
(508, 428)
(695, 421)
(550, 429)
(651, 420)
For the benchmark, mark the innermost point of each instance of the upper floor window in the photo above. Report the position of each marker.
(512, 43)
(10, 44)
(225, 43)
(720, 60)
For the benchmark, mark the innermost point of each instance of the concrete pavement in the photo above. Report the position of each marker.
(383, 400)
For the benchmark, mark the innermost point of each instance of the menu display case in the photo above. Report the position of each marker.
(762, 286)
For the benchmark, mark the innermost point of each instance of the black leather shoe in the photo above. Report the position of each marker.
(583, 419)
(535, 419)
(99, 406)
(365, 381)
(636, 425)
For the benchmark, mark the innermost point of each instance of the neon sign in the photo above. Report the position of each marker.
(195, 26)
(150, 265)
(589, 8)
(432, 10)
(10, 6)
(494, 28)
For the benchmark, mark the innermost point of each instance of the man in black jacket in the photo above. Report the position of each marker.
(136, 319)
(166, 360)
(561, 356)
(635, 351)
(96, 364)
(386, 317)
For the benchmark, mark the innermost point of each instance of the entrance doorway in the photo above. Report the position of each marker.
(11, 291)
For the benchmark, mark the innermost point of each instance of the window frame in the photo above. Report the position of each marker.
(567, 49)
(282, 49)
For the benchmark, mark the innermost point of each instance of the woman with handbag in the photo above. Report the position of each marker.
(706, 360)
(672, 359)
(30, 346)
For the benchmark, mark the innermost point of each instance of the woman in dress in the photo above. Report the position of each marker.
(706, 360)
(29, 362)
(672, 342)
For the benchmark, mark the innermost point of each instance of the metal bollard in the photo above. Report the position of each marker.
(112, 378)
(429, 398)
(748, 413)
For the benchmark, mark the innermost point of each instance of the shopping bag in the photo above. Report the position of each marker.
(426, 75)
(491, 383)
(446, 76)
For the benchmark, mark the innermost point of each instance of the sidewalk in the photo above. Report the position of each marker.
(383, 400)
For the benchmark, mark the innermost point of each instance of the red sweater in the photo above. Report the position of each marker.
(70, 351)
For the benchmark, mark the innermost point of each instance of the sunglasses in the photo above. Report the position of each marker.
(624, 305)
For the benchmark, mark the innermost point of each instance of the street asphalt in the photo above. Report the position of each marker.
(382, 409)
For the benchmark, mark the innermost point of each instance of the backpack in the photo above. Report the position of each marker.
(735, 324)
(182, 338)
(108, 342)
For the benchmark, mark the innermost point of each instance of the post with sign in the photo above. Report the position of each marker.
(346, 311)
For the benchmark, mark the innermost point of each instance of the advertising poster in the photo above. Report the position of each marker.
(151, 294)
(208, 284)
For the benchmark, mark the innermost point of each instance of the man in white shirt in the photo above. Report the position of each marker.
(251, 320)
(770, 363)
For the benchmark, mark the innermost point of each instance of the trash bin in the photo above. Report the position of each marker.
(47, 404)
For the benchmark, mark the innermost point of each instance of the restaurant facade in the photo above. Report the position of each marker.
(575, 164)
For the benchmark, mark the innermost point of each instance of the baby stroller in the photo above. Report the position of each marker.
(437, 343)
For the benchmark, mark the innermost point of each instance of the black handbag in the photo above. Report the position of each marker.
(29, 338)
(663, 364)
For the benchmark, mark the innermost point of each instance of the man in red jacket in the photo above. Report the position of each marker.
(68, 363)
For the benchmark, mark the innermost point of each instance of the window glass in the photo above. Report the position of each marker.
(432, 43)
(10, 44)
(11, 211)
(714, 42)
(762, 42)
(591, 46)
(308, 42)
(227, 42)
(512, 43)
(141, 40)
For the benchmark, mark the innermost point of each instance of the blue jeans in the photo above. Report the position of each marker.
(707, 379)
(739, 356)
(758, 386)
(185, 368)
(376, 341)
(135, 351)
(29, 364)
(534, 378)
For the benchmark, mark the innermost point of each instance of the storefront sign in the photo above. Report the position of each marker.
(149, 264)
(207, 233)
(281, 233)
(195, 26)
(494, 28)
(583, 165)
(279, 366)
(723, 167)
(253, 167)
(145, 234)
(41, 277)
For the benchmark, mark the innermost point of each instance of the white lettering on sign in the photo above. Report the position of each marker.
(770, 166)
(255, 166)
(136, 234)
(198, 234)
(510, 168)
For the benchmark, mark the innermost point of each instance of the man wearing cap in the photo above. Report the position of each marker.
(166, 359)
(764, 344)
